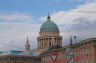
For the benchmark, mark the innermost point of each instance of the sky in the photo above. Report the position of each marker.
(22, 18)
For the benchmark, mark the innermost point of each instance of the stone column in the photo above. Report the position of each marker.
(61, 41)
(48, 42)
(45, 43)
(53, 41)
(56, 41)
(41, 43)
(38, 44)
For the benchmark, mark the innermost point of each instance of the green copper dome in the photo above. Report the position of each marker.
(49, 26)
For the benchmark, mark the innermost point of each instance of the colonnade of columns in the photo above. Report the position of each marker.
(47, 42)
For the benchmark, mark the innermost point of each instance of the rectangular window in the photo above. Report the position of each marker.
(90, 50)
(86, 51)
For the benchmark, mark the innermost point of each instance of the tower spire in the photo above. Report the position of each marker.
(27, 46)
(27, 39)
(48, 18)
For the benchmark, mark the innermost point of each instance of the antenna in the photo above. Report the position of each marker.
(76, 48)
(75, 39)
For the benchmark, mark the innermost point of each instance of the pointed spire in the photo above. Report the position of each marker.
(27, 46)
(27, 40)
(48, 18)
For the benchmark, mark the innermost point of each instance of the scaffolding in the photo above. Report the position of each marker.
(70, 52)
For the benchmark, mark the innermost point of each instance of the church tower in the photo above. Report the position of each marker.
(27, 46)
(49, 35)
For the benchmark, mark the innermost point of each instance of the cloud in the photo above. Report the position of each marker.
(68, 17)
(81, 24)
(13, 35)
(83, 30)
(14, 29)
(16, 17)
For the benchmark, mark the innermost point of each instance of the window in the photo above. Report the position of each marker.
(82, 52)
(91, 61)
(90, 50)
(86, 51)
(82, 61)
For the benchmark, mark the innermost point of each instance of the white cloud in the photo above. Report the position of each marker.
(15, 17)
(83, 30)
(14, 29)
(13, 35)
(77, 23)
(68, 17)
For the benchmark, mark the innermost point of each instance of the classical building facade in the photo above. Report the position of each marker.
(50, 46)
(49, 35)
(84, 52)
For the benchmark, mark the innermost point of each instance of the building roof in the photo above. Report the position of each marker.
(55, 47)
(90, 39)
(15, 52)
(49, 25)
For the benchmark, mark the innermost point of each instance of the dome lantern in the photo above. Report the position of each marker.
(48, 18)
